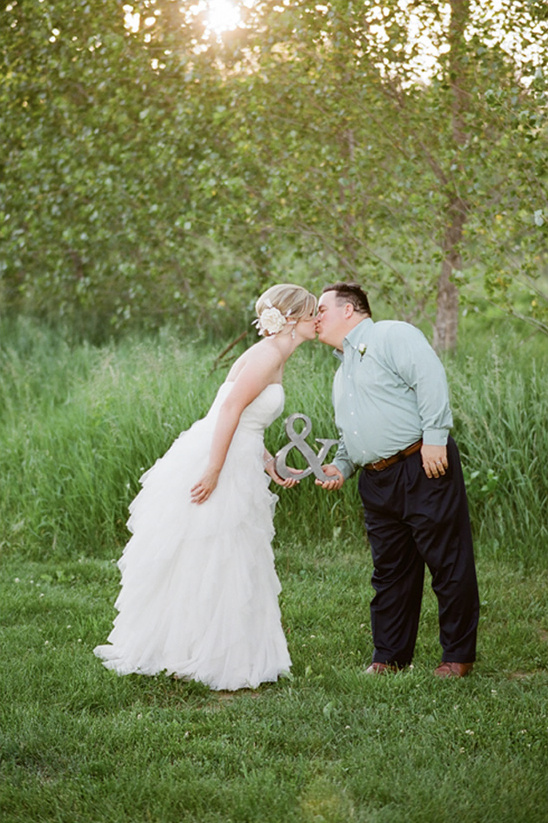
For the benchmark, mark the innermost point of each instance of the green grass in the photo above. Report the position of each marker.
(331, 744)
(78, 424)
(500, 400)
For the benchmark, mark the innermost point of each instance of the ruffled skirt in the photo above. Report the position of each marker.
(199, 591)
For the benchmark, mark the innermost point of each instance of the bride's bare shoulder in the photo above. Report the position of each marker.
(260, 357)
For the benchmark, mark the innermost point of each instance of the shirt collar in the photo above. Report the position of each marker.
(360, 334)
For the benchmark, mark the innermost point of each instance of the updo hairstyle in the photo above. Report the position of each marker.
(294, 302)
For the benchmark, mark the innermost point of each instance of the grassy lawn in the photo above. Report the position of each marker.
(331, 744)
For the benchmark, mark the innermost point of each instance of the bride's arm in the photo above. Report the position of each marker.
(258, 372)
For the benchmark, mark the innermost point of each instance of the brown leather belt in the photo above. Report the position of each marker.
(396, 458)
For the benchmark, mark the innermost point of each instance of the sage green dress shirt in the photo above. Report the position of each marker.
(389, 391)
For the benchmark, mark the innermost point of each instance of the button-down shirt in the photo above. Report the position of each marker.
(389, 391)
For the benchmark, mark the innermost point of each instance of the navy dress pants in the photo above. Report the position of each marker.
(414, 521)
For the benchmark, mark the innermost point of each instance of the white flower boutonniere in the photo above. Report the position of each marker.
(362, 348)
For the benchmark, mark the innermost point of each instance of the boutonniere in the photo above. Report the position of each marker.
(362, 348)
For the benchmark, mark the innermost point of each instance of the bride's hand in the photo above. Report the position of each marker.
(287, 484)
(204, 487)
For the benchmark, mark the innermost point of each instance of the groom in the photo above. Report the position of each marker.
(392, 409)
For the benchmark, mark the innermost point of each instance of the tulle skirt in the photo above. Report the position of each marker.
(199, 590)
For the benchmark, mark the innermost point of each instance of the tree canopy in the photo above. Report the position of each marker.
(153, 169)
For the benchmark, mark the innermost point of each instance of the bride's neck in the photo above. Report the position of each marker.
(285, 343)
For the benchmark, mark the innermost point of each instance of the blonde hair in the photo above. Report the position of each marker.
(292, 301)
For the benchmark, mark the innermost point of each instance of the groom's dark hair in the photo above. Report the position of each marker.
(351, 293)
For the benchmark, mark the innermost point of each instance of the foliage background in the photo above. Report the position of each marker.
(154, 171)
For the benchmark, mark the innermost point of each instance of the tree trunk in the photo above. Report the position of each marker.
(447, 314)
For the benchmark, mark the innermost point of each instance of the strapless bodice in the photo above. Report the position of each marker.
(261, 412)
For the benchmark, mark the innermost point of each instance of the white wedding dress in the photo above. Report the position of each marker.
(199, 596)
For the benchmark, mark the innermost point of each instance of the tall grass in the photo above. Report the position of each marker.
(79, 424)
(500, 396)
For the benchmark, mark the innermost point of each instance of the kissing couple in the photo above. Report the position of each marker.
(199, 589)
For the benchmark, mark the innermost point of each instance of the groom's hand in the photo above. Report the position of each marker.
(336, 479)
(434, 460)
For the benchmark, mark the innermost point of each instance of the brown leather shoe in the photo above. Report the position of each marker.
(380, 668)
(448, 669)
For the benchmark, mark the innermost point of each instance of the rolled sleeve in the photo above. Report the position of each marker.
(343, 462)
(435, 437)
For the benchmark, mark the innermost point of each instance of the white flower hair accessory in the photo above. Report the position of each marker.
(270, 320)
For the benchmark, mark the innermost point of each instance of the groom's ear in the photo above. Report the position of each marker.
(348, 310)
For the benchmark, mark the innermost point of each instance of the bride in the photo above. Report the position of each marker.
(199, 591)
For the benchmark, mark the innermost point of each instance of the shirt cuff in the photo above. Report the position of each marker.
(435, 437)
(346, 467)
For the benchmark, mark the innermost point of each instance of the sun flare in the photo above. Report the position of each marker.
(222, 16)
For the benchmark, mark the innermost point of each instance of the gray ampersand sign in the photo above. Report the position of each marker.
(298, 440)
